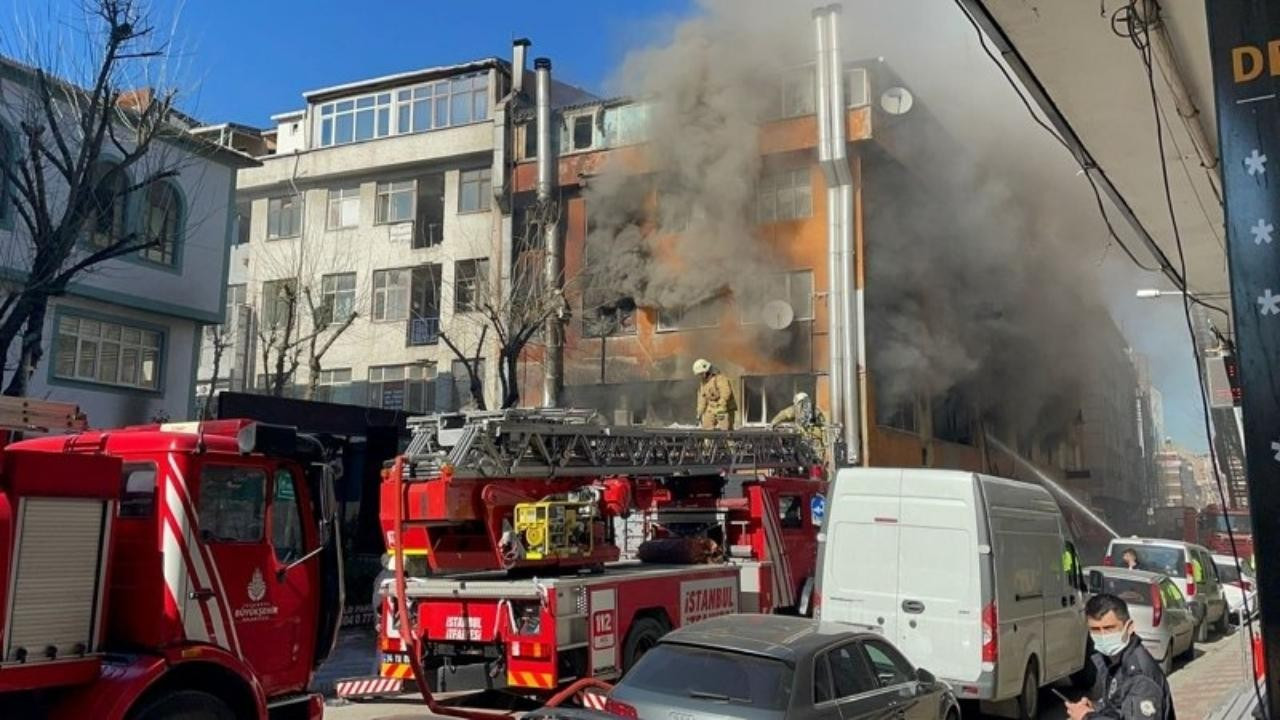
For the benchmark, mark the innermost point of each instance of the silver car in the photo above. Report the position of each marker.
(1190, 567)
(769, 666)
(1160, 614)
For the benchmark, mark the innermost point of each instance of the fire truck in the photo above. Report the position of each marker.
(505, 532)
(163, 571)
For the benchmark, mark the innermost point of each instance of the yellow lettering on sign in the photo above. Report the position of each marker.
(1238, 57)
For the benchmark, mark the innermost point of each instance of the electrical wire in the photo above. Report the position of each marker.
(1086, 168)
(1138, 30)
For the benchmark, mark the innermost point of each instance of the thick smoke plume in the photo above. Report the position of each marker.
(974, 285)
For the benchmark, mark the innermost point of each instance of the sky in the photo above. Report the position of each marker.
(244, 60)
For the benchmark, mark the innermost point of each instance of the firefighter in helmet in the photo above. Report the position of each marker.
(716, 404)
(806, 417)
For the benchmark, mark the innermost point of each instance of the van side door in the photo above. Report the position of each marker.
(1064, 627)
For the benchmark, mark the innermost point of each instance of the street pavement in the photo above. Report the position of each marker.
(1198, 685)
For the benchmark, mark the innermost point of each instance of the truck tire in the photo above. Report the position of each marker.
(185, 705)
(1029, 698)
(644, 634)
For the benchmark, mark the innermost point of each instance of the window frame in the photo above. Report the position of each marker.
(893, 655)
(299, 517)
(276, 214)
(751, 315)
(482, 178)
(263, 512)
(329, 297)
(383, 293)
(340, 200)
(383, 201)
(397, 111)
(427, 372)
(119, 206)
(771, 186)
(476, 284)
(169, 256)
(270, 302)
(158, 351)
(129, 499)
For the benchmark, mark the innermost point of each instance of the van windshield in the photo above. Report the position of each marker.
(1133, 592)
(1171, 561)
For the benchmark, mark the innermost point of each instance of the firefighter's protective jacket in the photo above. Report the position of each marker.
(716, 403)
(1130, 686)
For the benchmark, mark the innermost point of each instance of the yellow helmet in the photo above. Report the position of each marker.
(701, 367)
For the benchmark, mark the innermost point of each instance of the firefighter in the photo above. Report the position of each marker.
(809, 419)
(716, 403)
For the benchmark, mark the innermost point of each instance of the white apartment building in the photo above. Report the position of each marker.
(124, 341)
(388, 200)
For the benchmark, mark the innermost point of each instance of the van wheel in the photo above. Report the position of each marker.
(644, 635)
(1029, 700)
(185, 705)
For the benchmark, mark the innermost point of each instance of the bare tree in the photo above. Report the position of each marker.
(69, 197)
(220, 338)
(516, 311)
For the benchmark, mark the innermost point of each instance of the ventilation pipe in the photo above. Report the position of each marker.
(835, 347)
(553, 361)
(519, 50)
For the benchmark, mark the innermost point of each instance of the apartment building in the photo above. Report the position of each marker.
(124, 340)
(371, 234)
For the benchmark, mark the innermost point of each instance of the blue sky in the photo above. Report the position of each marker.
(244, 60)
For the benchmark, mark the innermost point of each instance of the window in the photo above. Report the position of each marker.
(237, 295)
(286, 522)
(577, 132)
(163, 223)
(604, 314)
(793, 288)
(284, 217)
(109, 353)
(822, 690)
(470, 282)
(764, 395)
(429, 106)
(462, 396)
(626, 124)
(391, 294)
(424, 306)
(332, 385)
(105, 220)
(953, 419)
(474, 190)
(702, 315)
(791, 511)
(244, 222)
(1171, 561)
(428, 229)
(889, 665)
(784, 195)
(1172, 594)
(231, 503)
(849, 672)
(138, 496)
(795, 95)
(395, 202)
(716, 680)
(344, 207)
(279, 303)
(337, 298)
(402, 387)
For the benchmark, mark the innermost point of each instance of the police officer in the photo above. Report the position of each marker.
(1130, 684)
(716, 403)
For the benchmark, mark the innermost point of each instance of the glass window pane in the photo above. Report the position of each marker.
(326, 110)
(286, 523)
(404, 94)
(87, 361)
(109, 362)
(326, 132)
(460, 110)
(384, 122)
(364, 124)
(460, 85)
(129, 366)
(343, 129)
(422, 115)
(364, 102)
(148, 370)
(402, 118)
(422, 92)
(480, 106)
(442, 111)
(344, 106)
(231, 503)
(65, 357)
(384, 98)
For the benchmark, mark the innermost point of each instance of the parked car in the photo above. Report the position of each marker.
(1239, 586)
(1159, 612)
(1190, 567)
(972, 574)
(770, 666)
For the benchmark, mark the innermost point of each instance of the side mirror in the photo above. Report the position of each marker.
(925, 676)
(1095, 581)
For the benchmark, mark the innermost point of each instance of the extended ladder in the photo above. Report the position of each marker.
(563, 443)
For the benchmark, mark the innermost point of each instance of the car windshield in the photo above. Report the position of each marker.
(715, 676)
(1171, 561)
(1227, 571)
(1133, 592)
(1239, 523)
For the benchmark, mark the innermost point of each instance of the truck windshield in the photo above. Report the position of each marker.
(1239, 523)
(1171, 561)
(693, 676)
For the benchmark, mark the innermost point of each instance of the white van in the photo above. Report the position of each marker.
(975, 578)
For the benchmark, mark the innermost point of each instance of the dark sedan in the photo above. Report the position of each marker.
(769, 666)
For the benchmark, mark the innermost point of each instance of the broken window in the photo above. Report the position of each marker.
(583, 132)
(703, 315)
(763, 396)
(952, 419)
(605, 314)
(428, 229)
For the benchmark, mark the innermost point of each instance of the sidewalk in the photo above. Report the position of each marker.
(1208, 681)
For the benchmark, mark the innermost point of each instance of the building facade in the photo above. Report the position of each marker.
(124, 340)
(370, 240)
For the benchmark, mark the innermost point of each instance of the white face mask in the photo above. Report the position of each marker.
(1110, 644)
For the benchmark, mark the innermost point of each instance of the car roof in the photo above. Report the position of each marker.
(773, 636)
(1127, 574)
(1159, 542)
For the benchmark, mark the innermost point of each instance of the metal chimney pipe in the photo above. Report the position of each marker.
(835, 348)
(519, 51)
(852, 369)
(553, 361)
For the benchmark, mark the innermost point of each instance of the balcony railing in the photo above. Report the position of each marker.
(423, 331)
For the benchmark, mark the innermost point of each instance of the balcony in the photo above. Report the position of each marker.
(422, 331)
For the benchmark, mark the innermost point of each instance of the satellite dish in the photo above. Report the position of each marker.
(778, 314)
(896, 101)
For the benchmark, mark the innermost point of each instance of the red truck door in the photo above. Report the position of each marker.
(252, 522)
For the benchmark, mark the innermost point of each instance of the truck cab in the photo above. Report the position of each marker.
(220, 579)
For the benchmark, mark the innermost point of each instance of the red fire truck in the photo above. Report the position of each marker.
(504, 528)
(1214, 531)
(163, 571)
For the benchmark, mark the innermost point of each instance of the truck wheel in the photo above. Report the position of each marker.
(185, 705)
(1029, 700)
(644, 634)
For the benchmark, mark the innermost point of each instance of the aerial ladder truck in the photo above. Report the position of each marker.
(504, 532)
